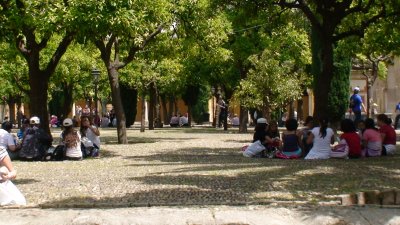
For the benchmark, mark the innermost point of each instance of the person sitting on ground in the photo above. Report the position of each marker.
(371, 140)
(388, 134)
(35, 142)
(291, 139)
(4, 121)
(104, 121)
(322, 137)
(54, 121)
(260, 133)
(9, 194)
(174, 122)
(257, 148)
(184, 121)
(235, 121)
(24, 126)
(351, 137)
(7, 141)
(305, 132)
(89, 130)
(71, 139)
(273, 136)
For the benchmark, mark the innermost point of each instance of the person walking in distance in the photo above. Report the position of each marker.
(356, 105)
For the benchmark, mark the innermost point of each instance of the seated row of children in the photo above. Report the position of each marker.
(316, 142)
(36, 145)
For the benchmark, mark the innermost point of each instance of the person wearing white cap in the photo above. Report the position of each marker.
(356, 105)
(260, 135)
(35, 142)
(71, 139)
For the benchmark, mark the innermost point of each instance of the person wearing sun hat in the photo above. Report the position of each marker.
(356, 105)
(71, 139)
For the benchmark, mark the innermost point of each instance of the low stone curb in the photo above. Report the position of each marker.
(374, 197)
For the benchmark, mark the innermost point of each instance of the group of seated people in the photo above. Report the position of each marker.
(179, 121)
(34, 144)
(316, 142)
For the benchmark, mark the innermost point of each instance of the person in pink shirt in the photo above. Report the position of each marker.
(371, 140)
(388, 135)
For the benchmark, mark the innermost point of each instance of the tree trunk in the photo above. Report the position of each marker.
(117, 103)
(244, 119)
(19, 111)
(39, 84)
(291, 110)
(369, 89)
(143, 117)
(323, 74)
(189, 115)
(151, 106)
(170, 109)
(300, 103)
(68, 99)
(11, 106)
(226, 115)
(157, 108)
(166, 114)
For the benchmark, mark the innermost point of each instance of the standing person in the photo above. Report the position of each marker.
(89, 130)
(8, 142)
(351, 137)
(388, 135)
(35, 142)
(396, 120)
(356, 105)
(322, 137)
(223, 112)
(71, 139)
(371, 140)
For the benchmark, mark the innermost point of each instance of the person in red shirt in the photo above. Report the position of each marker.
(388, 134)
(352, 138)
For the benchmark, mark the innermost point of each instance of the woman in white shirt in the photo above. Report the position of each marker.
(322, 137)
(89, 130)
(71, 139)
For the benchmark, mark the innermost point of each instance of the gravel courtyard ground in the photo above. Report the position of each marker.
(199, 166)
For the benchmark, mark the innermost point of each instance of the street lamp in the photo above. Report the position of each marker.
(96, 74)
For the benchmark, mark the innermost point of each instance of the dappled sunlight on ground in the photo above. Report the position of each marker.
(182, 167)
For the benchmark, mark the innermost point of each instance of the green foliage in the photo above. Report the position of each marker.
(338, 100)
(13, 72)
(277, 76)
(201, 107)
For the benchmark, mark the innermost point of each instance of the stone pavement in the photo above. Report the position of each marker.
(222, 215)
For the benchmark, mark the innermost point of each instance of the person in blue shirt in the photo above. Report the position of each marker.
(356, 105)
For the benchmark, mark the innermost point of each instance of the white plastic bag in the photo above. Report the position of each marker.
(10, 195)
(254, 149)
(86, 142)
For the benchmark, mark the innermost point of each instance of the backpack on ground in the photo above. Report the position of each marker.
(55, 154)
(35, 144)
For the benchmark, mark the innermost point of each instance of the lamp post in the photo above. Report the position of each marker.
(96, 74)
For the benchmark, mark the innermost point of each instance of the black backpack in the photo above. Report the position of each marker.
(55, 154)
